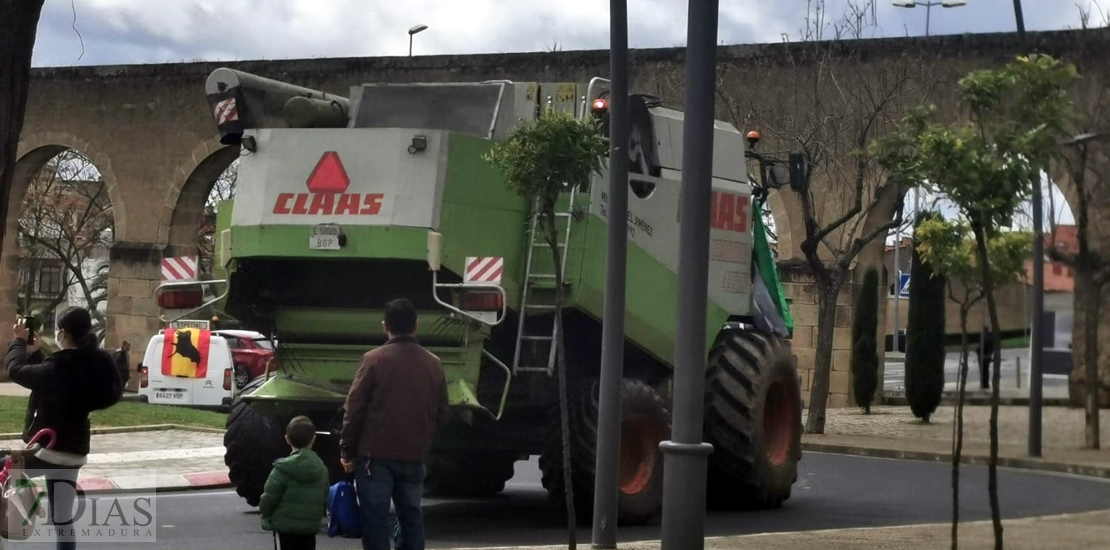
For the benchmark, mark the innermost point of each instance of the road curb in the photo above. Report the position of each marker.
(180, 483)
(899, 400)
(972, 459)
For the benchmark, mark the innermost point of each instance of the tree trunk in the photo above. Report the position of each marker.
(19, 22)
(992, 307)
(1086, 286)
(561, 367)
(958, 439)
(828, 291)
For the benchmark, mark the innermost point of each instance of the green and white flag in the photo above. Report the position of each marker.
(772, 314)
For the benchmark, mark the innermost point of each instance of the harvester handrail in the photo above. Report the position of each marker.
(227, 288)
(436, 285)
(508, 379)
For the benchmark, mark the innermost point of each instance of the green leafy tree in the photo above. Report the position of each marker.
(541, 160)
(949, 249)
(865, 345)
(987, 166)
(925, 332)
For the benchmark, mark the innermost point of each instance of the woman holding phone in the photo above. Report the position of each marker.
(65, 388)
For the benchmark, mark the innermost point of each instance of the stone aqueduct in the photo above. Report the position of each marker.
(149, 131)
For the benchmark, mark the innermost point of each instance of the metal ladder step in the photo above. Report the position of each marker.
(546, 307)
(535, 338)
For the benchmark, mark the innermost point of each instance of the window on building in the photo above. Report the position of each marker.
(50, 280)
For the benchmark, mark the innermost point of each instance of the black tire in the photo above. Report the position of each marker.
(253, 442)
(242, 376)
(753, 420)
(469, 473)
(645, 422)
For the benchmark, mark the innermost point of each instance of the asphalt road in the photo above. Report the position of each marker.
(833, 491)
(894, 372)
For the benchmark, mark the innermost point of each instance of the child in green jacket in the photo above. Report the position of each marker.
(295, 498)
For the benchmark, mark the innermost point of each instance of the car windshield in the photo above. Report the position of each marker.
(264, 344)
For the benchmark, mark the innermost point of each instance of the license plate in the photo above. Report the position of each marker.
(169, 395)
(324, 237)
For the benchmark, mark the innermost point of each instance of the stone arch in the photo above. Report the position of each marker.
(34, 152)
(193, 181)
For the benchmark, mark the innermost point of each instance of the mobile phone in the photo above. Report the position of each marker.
(29, 322)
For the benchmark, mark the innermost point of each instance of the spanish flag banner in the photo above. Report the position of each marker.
(185, 352)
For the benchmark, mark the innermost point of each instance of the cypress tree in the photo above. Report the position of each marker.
(865, 353)
(925, 332)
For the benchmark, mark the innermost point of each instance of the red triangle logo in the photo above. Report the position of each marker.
(328, 176)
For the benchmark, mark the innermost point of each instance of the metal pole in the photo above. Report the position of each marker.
(928, 16)
(410, 44)
(897, 287)
(685, 455)
(612, 331)
(1036, 350)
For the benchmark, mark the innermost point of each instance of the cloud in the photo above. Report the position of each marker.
(158, 31)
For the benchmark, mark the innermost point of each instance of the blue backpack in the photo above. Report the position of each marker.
(343, 513)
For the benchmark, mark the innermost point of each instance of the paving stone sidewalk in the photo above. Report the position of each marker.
(1066, 532)
(161, 459)
(894, 432)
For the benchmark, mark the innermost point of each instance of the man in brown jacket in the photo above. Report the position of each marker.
(397, 401)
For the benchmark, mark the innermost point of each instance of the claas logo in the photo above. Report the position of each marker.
(327, 186)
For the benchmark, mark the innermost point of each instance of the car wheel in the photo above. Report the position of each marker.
(242, 376)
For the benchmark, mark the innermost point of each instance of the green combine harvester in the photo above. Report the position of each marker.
(344, 203)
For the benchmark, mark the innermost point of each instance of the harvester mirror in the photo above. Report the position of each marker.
(799, 171)
(435, 248)
(777, 175)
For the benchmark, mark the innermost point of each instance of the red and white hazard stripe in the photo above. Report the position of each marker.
(183, 268)
(484, 270)
(226, 111)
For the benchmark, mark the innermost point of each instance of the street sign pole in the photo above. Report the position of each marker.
(684, 466)
(607, 467)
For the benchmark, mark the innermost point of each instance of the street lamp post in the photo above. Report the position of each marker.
(929, 7)
(413, 31)
(685, 455)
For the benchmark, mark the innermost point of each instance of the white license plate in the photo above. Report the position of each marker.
(324, 237)
(173, 395)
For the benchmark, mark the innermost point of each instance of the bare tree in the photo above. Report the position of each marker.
(833, 108)
(222, 190)
(66, 219)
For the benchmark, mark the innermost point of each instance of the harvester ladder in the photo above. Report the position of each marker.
(530, 303)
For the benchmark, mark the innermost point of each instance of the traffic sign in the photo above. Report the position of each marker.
(903, 285)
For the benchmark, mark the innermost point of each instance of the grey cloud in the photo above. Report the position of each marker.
(168, 31)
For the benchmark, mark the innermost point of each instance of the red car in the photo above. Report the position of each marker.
(250, 351)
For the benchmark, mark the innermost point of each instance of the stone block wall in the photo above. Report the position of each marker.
(133, 314)
(801, 289)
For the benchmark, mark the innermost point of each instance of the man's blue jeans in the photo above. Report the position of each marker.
(379, 481)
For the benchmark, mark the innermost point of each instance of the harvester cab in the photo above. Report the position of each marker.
(343, 203)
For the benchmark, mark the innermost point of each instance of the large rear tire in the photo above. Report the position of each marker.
(469, 473)
(253, 441)
(645, 422)
(753, 420)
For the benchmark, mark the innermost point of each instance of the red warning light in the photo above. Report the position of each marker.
(600, 105)
(328, 176)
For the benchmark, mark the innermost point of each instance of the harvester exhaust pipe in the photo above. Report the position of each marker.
(241, 101)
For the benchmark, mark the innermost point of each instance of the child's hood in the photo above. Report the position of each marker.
(303, 466)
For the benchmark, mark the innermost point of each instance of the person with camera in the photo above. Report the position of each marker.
(65, 387)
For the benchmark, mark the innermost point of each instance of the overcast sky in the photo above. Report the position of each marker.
(159, 31)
